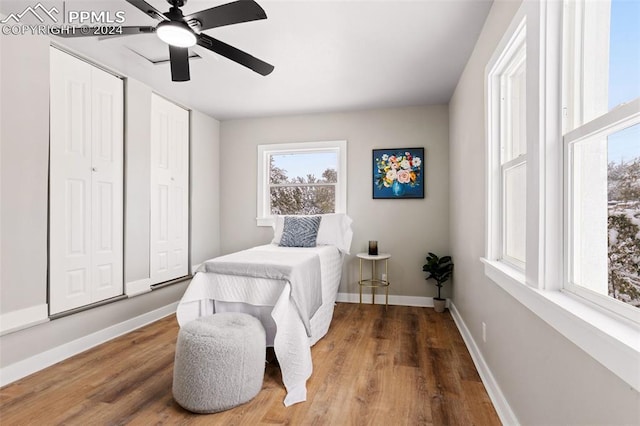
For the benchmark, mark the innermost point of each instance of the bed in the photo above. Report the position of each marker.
(292, 290)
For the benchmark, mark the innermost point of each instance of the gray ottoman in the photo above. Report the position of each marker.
(219, 362)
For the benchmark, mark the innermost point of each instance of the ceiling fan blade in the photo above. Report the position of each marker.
(148, 9)
(106, 32)
(227, 14)
(234, 54)
(179, 57)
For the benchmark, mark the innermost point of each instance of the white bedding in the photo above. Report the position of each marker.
(270, 300)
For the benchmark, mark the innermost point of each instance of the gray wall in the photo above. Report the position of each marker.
(24, 88)
(546, 378)
(407, 229)
(205, 188)
(24, 141)
(137, 188)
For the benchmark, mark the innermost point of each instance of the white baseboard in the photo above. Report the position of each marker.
(23, 368)
(23, 318)
(501, 404)
(420, 301)
(136, 288)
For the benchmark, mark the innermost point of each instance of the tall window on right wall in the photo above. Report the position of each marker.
(507, 92)
(601, 135)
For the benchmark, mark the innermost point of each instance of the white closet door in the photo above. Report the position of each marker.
(169, 190)
(85, 187)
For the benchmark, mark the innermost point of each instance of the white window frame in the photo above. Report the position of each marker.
(510, 54)
(607, 337)
(264, 216)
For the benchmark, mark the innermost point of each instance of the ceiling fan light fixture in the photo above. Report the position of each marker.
(176, 34)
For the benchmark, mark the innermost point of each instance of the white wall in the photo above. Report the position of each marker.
(407, 229)
(24, 88)
(545, 378)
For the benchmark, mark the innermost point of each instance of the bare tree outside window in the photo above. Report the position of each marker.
(624, 231)
(301, 195)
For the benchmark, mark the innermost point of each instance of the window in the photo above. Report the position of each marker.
(301, 178)
(508, 151)
(602, 152)
(581, 186)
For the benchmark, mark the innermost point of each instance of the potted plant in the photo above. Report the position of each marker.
(440, 270)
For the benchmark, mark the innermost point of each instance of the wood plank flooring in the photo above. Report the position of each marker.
(402, 366)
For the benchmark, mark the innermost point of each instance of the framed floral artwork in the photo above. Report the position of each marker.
(398, 173)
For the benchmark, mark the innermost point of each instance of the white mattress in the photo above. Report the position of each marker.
(269, 301)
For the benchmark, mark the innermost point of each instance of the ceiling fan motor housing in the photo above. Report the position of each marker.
(177, 3)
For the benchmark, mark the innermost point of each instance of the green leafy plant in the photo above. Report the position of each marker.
(439, 269)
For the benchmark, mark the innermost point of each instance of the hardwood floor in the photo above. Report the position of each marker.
(403, 366)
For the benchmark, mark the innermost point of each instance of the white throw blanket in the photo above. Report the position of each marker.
(300, 269)
(291, 342)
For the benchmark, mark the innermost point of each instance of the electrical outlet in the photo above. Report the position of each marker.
(484, 332)
(384, 277)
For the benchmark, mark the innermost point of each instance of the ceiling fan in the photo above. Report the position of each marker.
(181, 32)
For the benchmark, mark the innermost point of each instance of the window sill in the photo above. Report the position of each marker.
(265, 221)
(608, 339)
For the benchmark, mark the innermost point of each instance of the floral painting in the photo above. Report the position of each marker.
(398, 173)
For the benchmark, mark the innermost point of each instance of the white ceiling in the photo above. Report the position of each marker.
(328, 55)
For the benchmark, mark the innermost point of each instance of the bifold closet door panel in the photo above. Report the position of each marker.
(169, 218)
(85, 184)
(107, 185)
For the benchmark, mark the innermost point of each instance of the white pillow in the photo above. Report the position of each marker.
(335, 230)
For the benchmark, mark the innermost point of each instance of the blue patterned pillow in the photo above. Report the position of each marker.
(300, 231)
